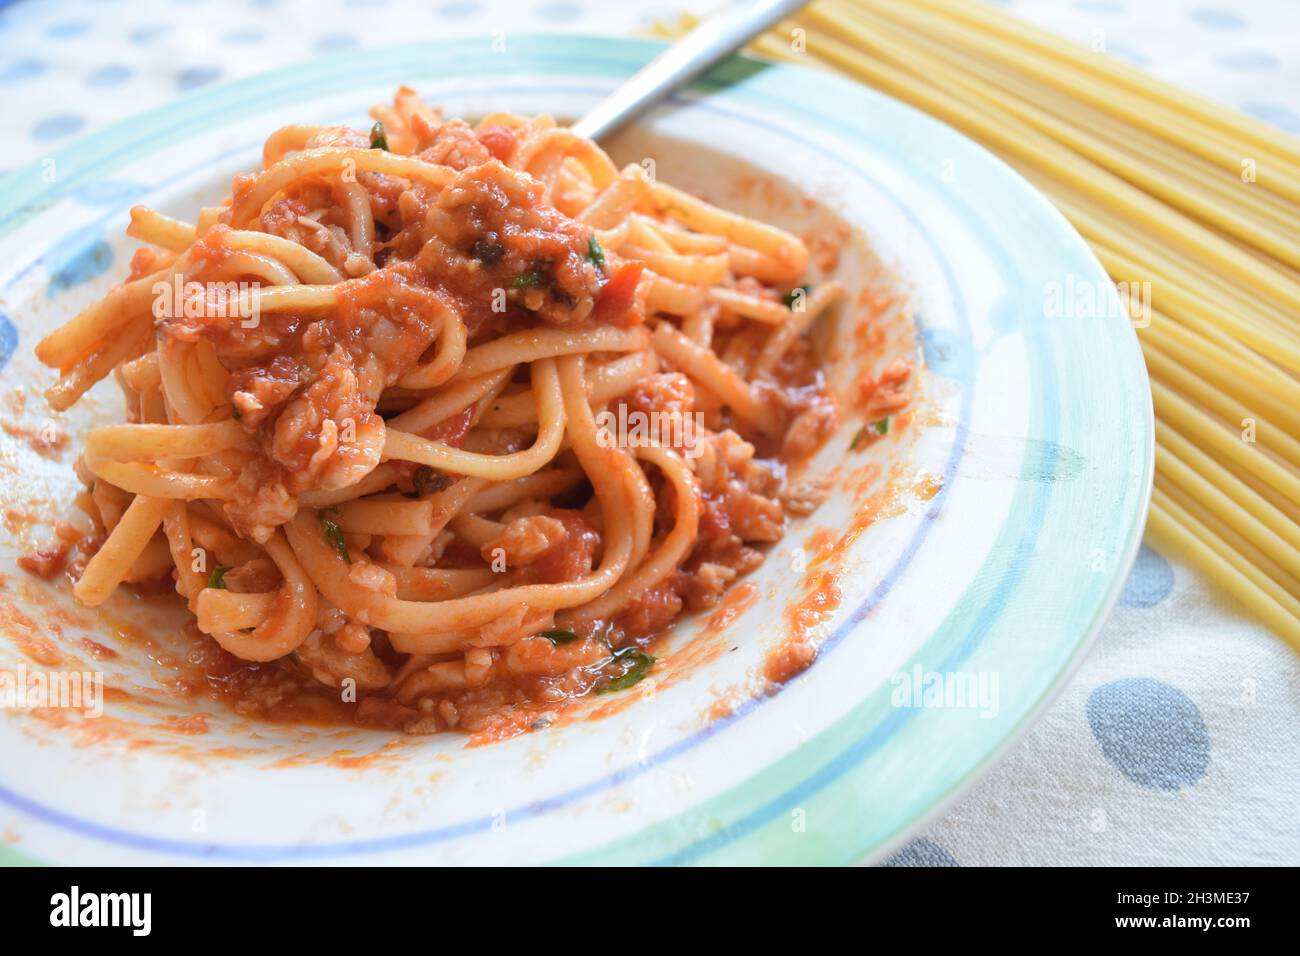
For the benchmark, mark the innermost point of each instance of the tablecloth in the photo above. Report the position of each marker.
(1178, 740)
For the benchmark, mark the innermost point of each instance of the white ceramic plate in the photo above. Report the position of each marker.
(1035, 429)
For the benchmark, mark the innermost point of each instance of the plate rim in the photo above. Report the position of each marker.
(10, 205)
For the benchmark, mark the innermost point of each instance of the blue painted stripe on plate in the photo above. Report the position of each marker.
(873, 740)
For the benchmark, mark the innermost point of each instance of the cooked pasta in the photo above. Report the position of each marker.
(368, 406)
(1196, 202)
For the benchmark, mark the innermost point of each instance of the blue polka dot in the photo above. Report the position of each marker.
(334, 42)
(63, 31)
(147, 34)
(243, 36)
(54, 127)
(1217, 19)
(8, 340)
(559, 11)
(458, 9)
(112, 75)
(1127, 53)
(1151, 731)
(21, 70)
(1276, 114)
(1149, 582)
(196, 76)
(921, 852)
(77, 263)
(1248, 61)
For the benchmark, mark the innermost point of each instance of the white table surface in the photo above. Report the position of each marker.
(1178, 740)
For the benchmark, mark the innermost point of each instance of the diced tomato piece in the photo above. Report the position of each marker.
(452, 431)
(500, 140)
(616, 297)
(45, 562)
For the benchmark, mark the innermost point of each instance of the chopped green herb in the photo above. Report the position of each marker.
(334, 534)
(638, 668)
(594, 252)
(215, 580)
(880, 428)
(528, 280)
(379, 137)
(795, 294)
(427, 481)
(560, 636)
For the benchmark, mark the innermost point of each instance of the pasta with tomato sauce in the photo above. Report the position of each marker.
(370, 406)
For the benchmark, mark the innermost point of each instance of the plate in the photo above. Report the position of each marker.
(951, 582)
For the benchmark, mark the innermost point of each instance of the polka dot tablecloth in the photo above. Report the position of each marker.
(1178, 741)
